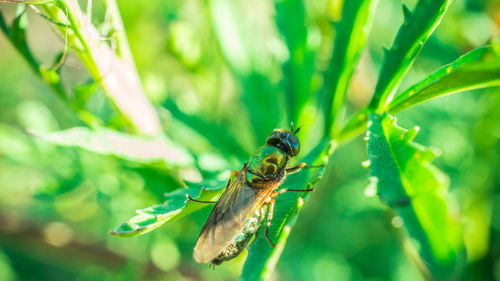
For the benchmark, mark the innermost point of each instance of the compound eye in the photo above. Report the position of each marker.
(293, 139)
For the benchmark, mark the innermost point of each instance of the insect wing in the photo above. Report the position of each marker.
(236, 205)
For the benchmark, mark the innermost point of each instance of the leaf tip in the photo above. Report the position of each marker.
(406, 12)
(410, 134)
(386, 50)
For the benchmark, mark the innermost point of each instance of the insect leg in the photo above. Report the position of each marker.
(233, 176)
(199, 201)
(301, 166)
(274, 194)
(269, 219)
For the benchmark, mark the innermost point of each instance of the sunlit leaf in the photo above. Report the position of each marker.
(176, 206)
(228, 30)
(251, 68)
(299, 67)
(477, 69)
(109, 142)
(418, 25)
(417, 192)
(350, 39)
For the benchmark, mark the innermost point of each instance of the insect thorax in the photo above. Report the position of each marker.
(240, 241)
(265, 164)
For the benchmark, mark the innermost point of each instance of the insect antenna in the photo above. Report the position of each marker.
(296, 131)
(292, 127)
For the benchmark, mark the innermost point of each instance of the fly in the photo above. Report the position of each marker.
(249, 194)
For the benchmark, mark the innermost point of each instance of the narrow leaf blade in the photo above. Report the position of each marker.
(477, 69)
(299, 68)
(122, 145)
(350, 39)
(412, 35)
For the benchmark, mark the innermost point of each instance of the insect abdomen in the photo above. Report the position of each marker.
(240, 240)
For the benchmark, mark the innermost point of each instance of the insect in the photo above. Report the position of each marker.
(249, 193)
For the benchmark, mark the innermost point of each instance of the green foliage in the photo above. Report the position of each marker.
(412, 35)
(477, 69)
(221, 75)
(17, 34)
(175, 207)
(129, 147)
(417, 192)
(248, 65)
(350, 39)
(299, 68)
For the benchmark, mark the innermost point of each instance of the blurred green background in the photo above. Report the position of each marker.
(57, 205)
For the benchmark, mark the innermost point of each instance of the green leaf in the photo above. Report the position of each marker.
(216, 134)
(17, 35)
(262, 258)
(129, 147)
(350, 39)
(3, 24)
(477, 69)
(416, 191)
(259, 94)
(262, 102)
(175, 207)
(299, 68)
(229, 33)
(412, 35)
(480, 68)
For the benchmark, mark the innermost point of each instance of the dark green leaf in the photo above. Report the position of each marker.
(299, 68)
(17, 36)
(215, 134)
(350, 39)
(417, 192)
(3, 24)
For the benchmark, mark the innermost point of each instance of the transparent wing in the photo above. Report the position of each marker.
(236, 205)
